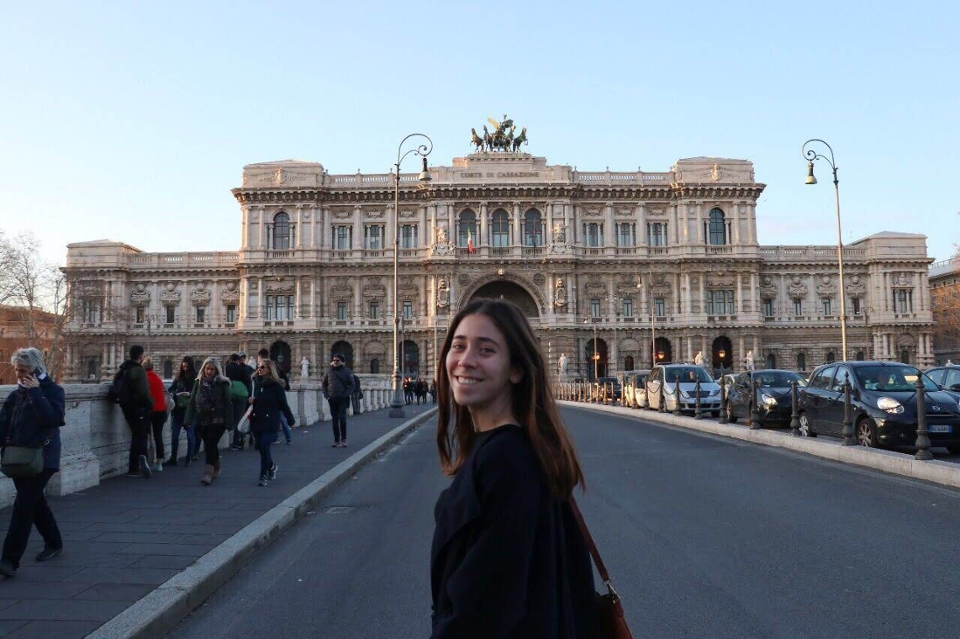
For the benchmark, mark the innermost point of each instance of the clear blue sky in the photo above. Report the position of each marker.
(132, 120)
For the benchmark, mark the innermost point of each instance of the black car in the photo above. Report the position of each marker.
(773, 397)
(883, 401)
(946, 377)
(617, 388)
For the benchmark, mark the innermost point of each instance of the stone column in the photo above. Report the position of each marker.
(739, 304)
(703, 296)
(735, 239)
(357, 228)
(701, 238)
(261, 300)
(483, 225)
(609, 239)
(517, 238)
(326, 240)
(261, 240)
(753, 292)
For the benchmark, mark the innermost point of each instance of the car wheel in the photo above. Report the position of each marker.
(954, 449)
(867, 433)
(715, 413)
(805, 428)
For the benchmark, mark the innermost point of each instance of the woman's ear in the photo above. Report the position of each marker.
(515, 376)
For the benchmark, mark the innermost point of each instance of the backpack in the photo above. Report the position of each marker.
(120, 390)
(238, 391)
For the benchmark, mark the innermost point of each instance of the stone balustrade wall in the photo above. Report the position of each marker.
(96, 439)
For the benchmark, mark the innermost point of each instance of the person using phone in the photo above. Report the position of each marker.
(31, 417)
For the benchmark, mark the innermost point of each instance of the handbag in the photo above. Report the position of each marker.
(243, 426)
(19, 462)
(169, 401)
(238, 391)
(607, 610)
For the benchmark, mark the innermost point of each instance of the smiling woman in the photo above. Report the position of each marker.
(505, 526)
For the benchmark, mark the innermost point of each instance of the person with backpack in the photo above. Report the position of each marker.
(269, 403)
(241, 389)
(131, 390)
(158, 416)
(180, 388)
(337, 387)
(211, 409)
(31, 418)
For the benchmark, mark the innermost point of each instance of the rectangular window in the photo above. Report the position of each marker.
(720, 303)
(628, 307)
(825, 304)
(626, 234)
(904, 300)
(171, 313)
(595, 308)
(657, 234)
(140, 315)
(768, 308)
(407, 309)
(342, 237)
(201, 313)
(659, 307)
(281, 309)
(341, 310)
(593, 235)
(408, 236)
(374, 310)
(532, 231)
(856, 306)
(798, 307)
(271, 308)
(373, 237)
(231, 313)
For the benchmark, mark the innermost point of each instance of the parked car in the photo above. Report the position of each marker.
(775, 403)
(665, 377)
(946, 377)
(617, 388)
(883, 402)
(634, 388)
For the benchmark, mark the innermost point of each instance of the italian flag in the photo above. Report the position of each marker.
(470, 247)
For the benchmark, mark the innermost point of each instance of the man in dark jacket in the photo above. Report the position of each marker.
(136, 404)
(337, 388)
(238, 374)
(31, 417)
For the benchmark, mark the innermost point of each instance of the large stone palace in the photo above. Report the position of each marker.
(614, 269)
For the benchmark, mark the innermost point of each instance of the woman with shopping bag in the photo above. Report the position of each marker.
(269, 402)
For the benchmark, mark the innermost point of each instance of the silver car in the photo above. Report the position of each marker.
(663, 382)
(634, 388)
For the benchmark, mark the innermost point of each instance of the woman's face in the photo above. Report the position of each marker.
(184, 367)
(209, 370)
(478, 363)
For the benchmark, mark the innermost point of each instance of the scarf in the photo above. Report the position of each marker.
(207, 400)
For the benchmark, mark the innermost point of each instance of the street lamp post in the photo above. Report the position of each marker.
(596, 355)
(653, 327)
(812, 156)
(423, 150)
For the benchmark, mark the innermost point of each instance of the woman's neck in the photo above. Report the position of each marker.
(497, 414)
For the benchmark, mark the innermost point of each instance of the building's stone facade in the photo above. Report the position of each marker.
(20, 327)
(314, 272)
(945, 297)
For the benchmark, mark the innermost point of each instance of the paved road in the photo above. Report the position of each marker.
(705, 537)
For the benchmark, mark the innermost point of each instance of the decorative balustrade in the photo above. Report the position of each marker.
(158, 260)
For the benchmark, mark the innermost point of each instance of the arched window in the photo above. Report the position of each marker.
(718, 228)
(771, 360)
(905, 356)
(281, 231)
(801, 362)
(628, 363)
(532, 228)
(831, 357)
(92, 366)
(500, 229)
(374, 366)
(467, 228)
(859, 356)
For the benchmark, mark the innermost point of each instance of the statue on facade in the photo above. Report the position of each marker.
(560, 294)
(748, 361)
(476, 140)
(559, 234)
(562, 364)
(443, 292)
(698, 359)
(304, 368)
(441, 234)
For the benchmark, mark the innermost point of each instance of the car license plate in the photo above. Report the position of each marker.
(939, 428)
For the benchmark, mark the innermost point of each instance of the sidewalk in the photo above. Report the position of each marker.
(128, 535)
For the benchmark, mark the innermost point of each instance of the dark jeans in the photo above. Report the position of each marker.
(30, 509)
(338, 411)
(176, 424)
(157, 420)
(138, 420)
(239, 408)
(211, 440)
(264, 440)
(287, 433)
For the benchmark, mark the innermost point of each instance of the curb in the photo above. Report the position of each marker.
(161, 610)
(894, 463)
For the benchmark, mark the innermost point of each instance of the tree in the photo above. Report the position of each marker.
(36, 290)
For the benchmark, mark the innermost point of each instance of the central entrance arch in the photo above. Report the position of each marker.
(510, 291)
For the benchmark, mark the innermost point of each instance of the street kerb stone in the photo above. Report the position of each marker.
(894, 463)
(158, 612)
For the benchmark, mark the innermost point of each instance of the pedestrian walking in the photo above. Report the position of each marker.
(181, 388)
(337, 387)
(508, 558)
(131, 390)
(269, 403)
(31, 418)
(241, 389)
(433, 390)
(264, 354)
(421, 391)
(158, 416)
(407, 390)
(212, 409)
(356, 395)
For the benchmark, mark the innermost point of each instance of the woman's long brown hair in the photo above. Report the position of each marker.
(533, 402)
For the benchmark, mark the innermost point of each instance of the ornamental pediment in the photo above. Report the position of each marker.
(825, 287)
(200, 295)
(170, 293)
(140, 295)
(797, 288)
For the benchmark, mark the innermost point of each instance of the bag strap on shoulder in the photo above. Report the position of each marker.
(601, 568)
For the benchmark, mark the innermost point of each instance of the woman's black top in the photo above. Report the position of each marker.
(508, 559)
